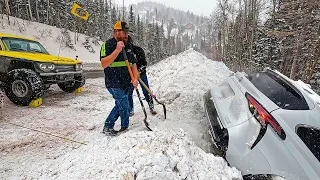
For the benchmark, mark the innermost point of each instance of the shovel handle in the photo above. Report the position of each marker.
(128, 66)
(151, 94)
(145, 86)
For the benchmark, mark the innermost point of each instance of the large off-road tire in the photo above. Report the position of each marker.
(71, 86)
(23, 85)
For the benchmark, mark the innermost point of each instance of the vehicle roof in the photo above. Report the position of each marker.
(306, 91)
(13, 36)
(293, 118)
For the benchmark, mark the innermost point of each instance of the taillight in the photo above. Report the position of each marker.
(264, 117)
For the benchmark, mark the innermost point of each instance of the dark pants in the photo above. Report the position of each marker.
(121, 108)
(144, 78)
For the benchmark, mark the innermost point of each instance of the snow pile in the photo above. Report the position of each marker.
(181, 80)
(141, 155)
(50, 38)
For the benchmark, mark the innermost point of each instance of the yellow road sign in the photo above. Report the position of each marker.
(79, 11)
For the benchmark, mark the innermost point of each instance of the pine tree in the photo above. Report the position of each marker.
(93, 19)
(140, 32)
(132, 24)
(120, 18)
(162, 39)
(113, 15)
(131, 17)
(138, 29)
(157, 45)
(170, 26)
(150, 44)
(104, 19)
(293, 40)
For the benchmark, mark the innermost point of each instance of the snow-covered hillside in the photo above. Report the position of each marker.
(50, 38)
(178, 148)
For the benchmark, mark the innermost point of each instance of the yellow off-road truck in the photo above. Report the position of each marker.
(27, 69)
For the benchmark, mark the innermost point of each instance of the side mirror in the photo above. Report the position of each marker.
(77, 57)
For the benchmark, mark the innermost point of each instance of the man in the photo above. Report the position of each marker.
(141, 65)
(117, 77)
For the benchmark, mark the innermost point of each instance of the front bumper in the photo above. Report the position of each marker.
(60, 69)
(60, 77)
(218, 133)
(60, 73)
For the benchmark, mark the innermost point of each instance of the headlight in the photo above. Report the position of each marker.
(46, 67)
(51, 66)
(79, 67)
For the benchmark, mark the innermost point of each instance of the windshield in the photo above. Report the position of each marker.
(14, 44)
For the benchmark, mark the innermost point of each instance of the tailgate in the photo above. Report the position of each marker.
(230, 103)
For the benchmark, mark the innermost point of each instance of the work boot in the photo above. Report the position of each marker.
(122, 130)
(151, 107)
(109, 131)
(131, 113)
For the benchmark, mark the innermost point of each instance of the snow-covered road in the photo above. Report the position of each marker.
(178, 148)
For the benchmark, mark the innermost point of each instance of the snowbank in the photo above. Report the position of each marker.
(180, 81)
(141, 155)
(180, 78)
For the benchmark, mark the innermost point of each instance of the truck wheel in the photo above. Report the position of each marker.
(71, 86)
(23, 86)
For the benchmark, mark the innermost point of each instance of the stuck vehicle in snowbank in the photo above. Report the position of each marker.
(265, 123)
(27, 69)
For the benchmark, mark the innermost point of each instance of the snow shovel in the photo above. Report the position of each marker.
(137, 91)
(154, 97)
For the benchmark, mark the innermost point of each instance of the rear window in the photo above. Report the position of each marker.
(279, 91)
(311, 138)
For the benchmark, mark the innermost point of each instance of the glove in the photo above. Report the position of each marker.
(142, 69)
(135, 83)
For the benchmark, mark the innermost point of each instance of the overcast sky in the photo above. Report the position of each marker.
(200, 7)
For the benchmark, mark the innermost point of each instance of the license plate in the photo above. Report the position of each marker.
(69, 78)
(66, 77)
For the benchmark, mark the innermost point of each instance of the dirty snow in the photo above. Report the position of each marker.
(178, 148)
